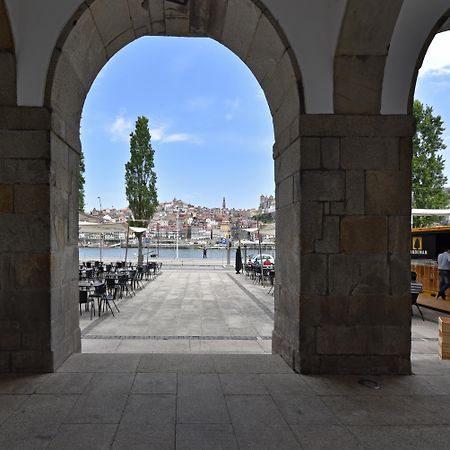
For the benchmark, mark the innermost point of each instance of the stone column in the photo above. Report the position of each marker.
(38, 322)
(347, 309)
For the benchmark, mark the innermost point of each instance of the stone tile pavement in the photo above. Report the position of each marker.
(204, 401)
(223, 401)
(187, 310)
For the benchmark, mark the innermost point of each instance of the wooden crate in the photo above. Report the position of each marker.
(444, 326)
(444, 341)
(443, 354)
(444, 337)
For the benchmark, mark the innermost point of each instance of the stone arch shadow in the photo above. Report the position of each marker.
(93, 35)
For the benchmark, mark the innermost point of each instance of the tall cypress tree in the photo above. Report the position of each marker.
(428, 177)
(140, 178)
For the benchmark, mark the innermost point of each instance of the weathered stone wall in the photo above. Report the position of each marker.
(347, 196)
(24, 239)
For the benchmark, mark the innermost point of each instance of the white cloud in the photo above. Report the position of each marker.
(232, 105)
(160, 135)
(199, 103)
(157, 133)
(121, 128)
(437, 59)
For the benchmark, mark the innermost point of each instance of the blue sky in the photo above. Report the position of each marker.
(210, 123)
(433, 86)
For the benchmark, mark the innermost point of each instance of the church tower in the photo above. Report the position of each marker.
(224, 205)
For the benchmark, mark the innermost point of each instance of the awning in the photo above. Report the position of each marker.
(138, 230)
(430, 212)
(89, 227)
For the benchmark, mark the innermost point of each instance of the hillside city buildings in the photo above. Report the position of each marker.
(193, 224)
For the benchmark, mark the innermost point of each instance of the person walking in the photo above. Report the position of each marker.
(238, 262)
(444, 272)
(204, 252)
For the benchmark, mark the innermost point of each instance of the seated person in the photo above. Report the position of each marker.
(416, 287)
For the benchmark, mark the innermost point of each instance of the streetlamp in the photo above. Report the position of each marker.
(178, 212)
(101, 234)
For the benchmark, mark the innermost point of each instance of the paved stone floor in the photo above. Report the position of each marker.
(189, 310)
(224, 401)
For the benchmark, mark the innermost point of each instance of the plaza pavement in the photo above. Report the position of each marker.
(220, 401)
(187, 310)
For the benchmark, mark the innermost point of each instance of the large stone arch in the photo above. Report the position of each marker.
(415, 29)
(92, 36)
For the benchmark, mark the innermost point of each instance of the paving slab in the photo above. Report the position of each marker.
(35, 423)
(205, 436)
(416, 437)
(64, 383)
(98, 408)
(155, 383)
(151, 409)
(200, 399)
(84, 436)
(137, 437)
(100, 363)
(177, 363)
(327, 437)
(258, 423)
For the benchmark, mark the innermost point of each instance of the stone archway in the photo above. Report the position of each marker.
(342, 297)
(94, 35)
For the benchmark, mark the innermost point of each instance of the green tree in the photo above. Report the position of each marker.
(140, 178)
(81, 181)
(428, 177)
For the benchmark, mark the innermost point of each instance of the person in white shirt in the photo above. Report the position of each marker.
(444, 272)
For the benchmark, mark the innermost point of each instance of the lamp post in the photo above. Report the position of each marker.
(177, 234)
(101, 234)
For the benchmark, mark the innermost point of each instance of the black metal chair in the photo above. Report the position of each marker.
(87, 301)
(103, 299)
(416, 289)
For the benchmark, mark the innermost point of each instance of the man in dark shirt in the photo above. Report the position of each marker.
(444, 272)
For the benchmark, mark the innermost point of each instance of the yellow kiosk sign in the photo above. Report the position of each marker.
(417, 246)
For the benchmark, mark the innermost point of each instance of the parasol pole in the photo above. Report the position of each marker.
(126, 247)
(260, 251)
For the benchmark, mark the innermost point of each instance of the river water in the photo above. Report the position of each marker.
(118, 254)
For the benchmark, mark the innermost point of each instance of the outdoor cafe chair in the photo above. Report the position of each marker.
(124, 286)
(416, 289)
(103, 299)
(112, 287)
(87, 301)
